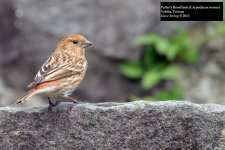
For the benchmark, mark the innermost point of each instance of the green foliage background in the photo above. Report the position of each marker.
(160, 61)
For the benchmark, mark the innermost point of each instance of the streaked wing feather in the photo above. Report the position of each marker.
(51, 70)
(60, 73)
(47, 67)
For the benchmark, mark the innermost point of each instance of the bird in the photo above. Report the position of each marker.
(63, 71)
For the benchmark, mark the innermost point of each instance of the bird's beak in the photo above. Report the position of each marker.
(86, 43)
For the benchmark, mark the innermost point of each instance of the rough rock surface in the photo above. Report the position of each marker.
(136, 125)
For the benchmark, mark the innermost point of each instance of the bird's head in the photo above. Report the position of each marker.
(73, 44)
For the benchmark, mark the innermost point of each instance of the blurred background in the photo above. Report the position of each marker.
(134, 56)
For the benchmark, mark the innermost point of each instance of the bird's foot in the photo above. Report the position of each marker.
(54, 104)
(75, 101)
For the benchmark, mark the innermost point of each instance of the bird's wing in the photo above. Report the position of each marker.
(53, 70)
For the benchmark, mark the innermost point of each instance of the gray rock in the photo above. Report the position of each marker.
(136, 125)
(8, 32)
(108, 24)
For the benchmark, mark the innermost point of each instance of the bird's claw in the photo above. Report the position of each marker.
(51, 104)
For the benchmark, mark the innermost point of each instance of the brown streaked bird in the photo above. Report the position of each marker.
(64, 70)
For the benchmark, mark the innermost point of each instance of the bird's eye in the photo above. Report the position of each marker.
(75, 42)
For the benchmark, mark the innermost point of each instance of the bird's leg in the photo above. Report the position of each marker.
(72, 99)
(51, 103)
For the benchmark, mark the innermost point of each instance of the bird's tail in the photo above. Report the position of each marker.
(25, 97)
